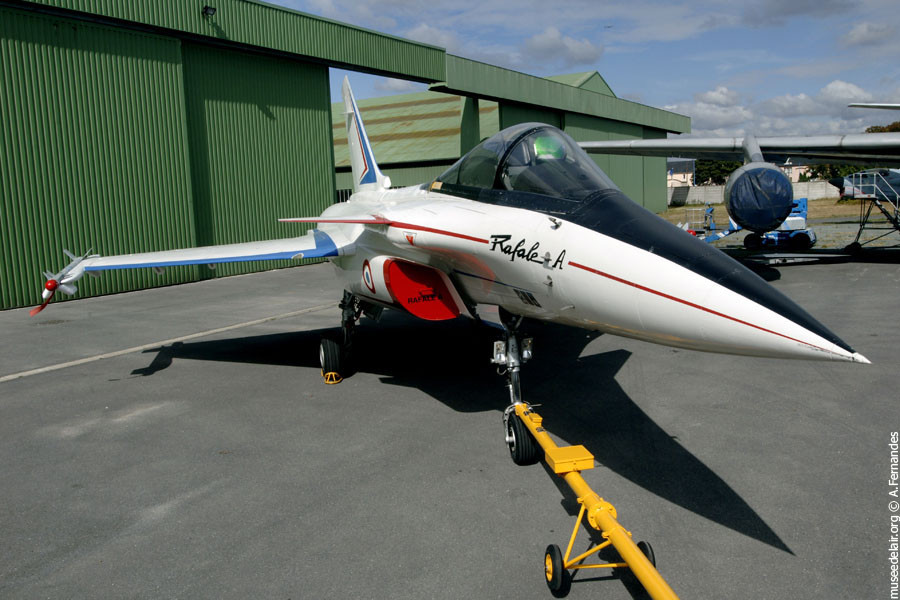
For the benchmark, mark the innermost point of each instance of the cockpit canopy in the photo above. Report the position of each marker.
(533, 158)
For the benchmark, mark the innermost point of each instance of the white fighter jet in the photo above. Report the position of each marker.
(525, 225)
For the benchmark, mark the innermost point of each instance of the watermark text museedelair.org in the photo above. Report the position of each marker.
(894, 507)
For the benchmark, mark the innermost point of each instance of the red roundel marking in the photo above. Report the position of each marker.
(367, 277)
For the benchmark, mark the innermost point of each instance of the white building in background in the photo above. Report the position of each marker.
(679, 172)
(795, 171)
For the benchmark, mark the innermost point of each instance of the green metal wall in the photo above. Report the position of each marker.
(512, 114)
(94, 151)
(121, 141)
(643, 179)
(260, 146)
(655, 197)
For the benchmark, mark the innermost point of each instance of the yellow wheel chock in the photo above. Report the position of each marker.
(568, 462)
(331, 377)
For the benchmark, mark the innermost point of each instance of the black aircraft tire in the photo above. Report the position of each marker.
(524, 450)
(554, 572)
(753, 241)
(800, 241)
(331, 359)
(647, 549)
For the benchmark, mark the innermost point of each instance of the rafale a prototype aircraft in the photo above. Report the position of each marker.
(526, 225)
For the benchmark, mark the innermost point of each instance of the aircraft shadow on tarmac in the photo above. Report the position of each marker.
(581, 400)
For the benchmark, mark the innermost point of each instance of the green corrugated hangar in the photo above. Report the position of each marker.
(151, 124)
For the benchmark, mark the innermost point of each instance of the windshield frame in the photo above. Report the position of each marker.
(486, 167)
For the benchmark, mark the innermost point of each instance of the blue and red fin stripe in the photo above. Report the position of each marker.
(368, 170)
(368, 173)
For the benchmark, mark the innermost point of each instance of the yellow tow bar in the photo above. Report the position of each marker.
(568, 462)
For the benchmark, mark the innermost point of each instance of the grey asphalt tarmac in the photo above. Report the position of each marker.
(220, 466)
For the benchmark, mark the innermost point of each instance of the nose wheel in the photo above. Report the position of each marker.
(522, 448)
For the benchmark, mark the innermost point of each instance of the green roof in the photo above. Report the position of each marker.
(469, 77)
(588, 80)
(253, 23)
(411, 128)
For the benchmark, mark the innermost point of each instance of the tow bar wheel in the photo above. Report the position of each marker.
(647, 549)
(553, 568)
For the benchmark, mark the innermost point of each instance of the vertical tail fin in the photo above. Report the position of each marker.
(366, 174)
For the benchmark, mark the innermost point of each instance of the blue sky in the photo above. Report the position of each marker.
(770, 67)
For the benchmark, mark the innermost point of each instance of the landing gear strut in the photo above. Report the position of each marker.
(335, 353)
(509, 355)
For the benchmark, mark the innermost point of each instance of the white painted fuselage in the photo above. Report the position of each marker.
(555, 270)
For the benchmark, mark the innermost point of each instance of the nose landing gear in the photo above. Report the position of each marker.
(509, 355)
(528, 442)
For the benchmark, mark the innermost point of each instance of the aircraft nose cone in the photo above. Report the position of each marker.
(707, 300)
(857, 357)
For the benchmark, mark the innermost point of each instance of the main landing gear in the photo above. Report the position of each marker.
(335, 353)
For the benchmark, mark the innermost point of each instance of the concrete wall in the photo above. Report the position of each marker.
(714, 194)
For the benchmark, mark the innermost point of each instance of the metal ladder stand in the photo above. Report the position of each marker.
(868, 184)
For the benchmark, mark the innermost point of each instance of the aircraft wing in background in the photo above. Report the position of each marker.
(881, 149)
(874, 105)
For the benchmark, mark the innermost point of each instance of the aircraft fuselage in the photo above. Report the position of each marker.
(544, 267)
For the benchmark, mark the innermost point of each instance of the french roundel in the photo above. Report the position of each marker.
(367, 277)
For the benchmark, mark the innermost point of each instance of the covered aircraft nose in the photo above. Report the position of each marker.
(712, 302)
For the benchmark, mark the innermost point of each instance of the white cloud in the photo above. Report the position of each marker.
(722, 112)
(706, 116)
(397, 86)
(436, 37)
(830, 101)
(840, 93)
(790, 105)
(868, 34)
(721, 96)
(551, 46)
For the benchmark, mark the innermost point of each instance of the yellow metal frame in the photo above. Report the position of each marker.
(568, 462)
(331, 377)
(573, 564)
